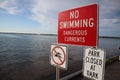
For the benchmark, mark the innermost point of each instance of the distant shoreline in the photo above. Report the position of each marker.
(52, 34)
(19, 33)
(28, 33)
(109, 37)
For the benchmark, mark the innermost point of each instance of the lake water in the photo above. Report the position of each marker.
(26, 57)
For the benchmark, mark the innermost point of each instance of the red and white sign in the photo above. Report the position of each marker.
(58, 56)
(79, 26)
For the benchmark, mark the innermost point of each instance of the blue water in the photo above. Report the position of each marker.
(26, 57)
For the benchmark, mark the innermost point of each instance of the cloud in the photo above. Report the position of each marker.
(109, 18)
(110, 22)
(10, 6)
(46, 12)
(42, 11)
(109, 27)
(109, 8)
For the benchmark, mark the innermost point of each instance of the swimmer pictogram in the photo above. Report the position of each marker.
(58, 55)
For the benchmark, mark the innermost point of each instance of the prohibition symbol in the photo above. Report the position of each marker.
(58, 55)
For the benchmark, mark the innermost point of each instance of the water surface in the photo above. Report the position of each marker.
(26, 57)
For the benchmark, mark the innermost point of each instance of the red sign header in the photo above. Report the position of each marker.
(79, 26)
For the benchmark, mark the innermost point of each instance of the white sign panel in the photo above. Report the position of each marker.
(58, 56)
(94, 63)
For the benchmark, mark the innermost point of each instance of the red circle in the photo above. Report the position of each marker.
(55, 51)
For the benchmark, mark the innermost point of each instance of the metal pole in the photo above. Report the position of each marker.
(57, 73)
(119, 57)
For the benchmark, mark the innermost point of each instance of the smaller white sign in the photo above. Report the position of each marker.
(58, 56)
(94, 63)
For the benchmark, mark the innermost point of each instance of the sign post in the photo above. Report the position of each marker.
(79, 26)
(57, 73)
(58, 58)
(94, 63)
(119, 57)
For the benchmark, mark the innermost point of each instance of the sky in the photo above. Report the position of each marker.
(41, 16)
